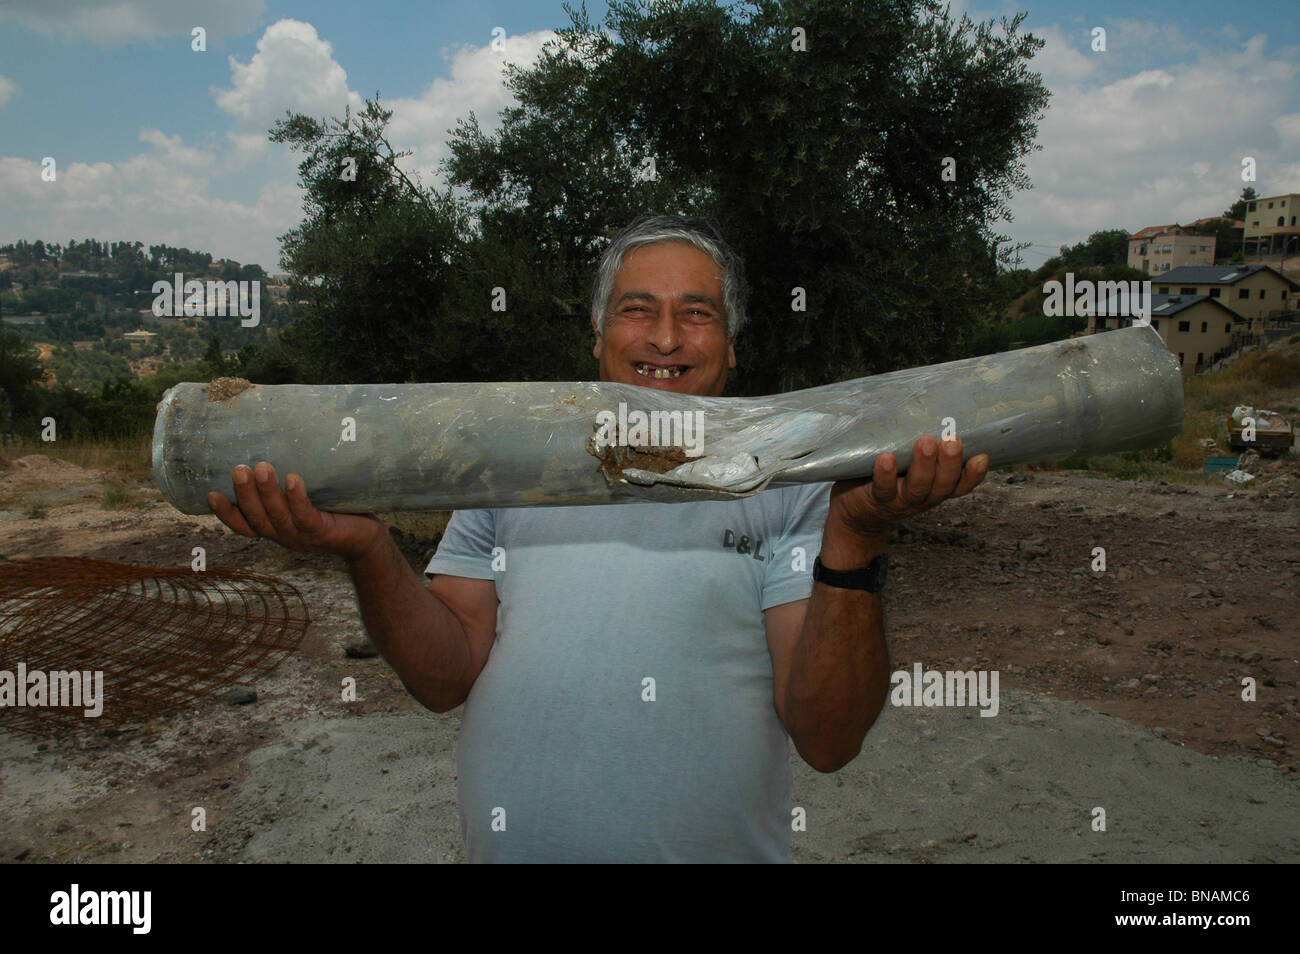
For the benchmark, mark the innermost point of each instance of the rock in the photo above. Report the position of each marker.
(360, 648)
(1151, 678)
(1160, 732)
(240, 696)
(1251, 657)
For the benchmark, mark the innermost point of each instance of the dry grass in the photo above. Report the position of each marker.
(1268, 379)
(126, 458)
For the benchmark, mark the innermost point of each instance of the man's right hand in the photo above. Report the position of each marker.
(289, 518)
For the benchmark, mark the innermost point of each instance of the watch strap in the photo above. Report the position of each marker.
(870, 578)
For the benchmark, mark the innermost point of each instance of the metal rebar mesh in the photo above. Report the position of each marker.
(161, 636)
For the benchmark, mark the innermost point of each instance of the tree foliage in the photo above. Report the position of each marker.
(373, 257)
(1107, 247)
(823, 166)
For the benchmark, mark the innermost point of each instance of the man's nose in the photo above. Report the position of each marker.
(664, 333)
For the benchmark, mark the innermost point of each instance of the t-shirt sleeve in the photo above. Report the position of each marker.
(466, 547)
(789, 575)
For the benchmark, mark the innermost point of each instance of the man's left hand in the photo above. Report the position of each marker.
(867, 508)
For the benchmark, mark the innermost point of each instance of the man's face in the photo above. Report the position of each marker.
(665, 327)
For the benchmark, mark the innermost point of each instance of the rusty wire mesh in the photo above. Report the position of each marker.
(161, 636)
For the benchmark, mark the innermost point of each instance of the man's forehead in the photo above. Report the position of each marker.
(642, 294)
(681, 250)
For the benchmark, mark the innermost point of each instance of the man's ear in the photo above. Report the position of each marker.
(731, 350)
(596, 350)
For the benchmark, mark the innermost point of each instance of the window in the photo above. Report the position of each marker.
(1293, 220)
(1243, 292)
(1187, 291)
(1283, 202)
(1270, 205)
(1205, 248)
(1227, 328)
(1281, 220)
(1184, 326)
(1214, 292)
(1255, 223)
(1205, 326)
(1155, 323)
(1250, 207)
(1167, 249)
(1200, 358)
(1261, 293)
(1163, 290)
(1284, 294)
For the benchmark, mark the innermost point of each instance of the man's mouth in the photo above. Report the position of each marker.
(661, 373)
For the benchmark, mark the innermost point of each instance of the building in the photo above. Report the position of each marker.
(1272, 225)
(1197, 328)
(138, 339)
(1252, 291)
(1158, 248)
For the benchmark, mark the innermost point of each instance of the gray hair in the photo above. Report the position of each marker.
(654, 229)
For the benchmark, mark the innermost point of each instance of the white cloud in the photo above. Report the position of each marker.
(422, 123)
(7, 89)
(293, 69)
(1129, 146)
(1288, 130)
(114, 22)
(161, 195)
(170, 191)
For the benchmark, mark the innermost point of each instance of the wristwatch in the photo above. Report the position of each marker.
(870, 578)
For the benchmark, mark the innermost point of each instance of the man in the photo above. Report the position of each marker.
(632, 674)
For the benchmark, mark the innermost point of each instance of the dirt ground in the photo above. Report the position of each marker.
(1121, 689)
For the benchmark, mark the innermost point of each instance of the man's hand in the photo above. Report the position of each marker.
(289, 519)
(866, 508)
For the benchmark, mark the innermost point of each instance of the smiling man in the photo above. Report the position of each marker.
(632, 675)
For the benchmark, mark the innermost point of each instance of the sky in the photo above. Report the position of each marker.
(154, 141)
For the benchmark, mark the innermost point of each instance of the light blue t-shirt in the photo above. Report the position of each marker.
(626, 710)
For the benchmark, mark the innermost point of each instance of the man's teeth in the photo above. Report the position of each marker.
(647, 371)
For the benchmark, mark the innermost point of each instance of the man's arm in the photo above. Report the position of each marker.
(830, 664)
(829, 660)
(437, 638)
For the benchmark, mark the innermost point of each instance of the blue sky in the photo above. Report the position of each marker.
(159, 143)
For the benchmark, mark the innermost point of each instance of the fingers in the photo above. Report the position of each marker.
(306, 518)
(250, 501)
(949, 470)
(977, 469)
(921, 476)
(275, 503)
(884, 479)
(228, 514)
(936, 473)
